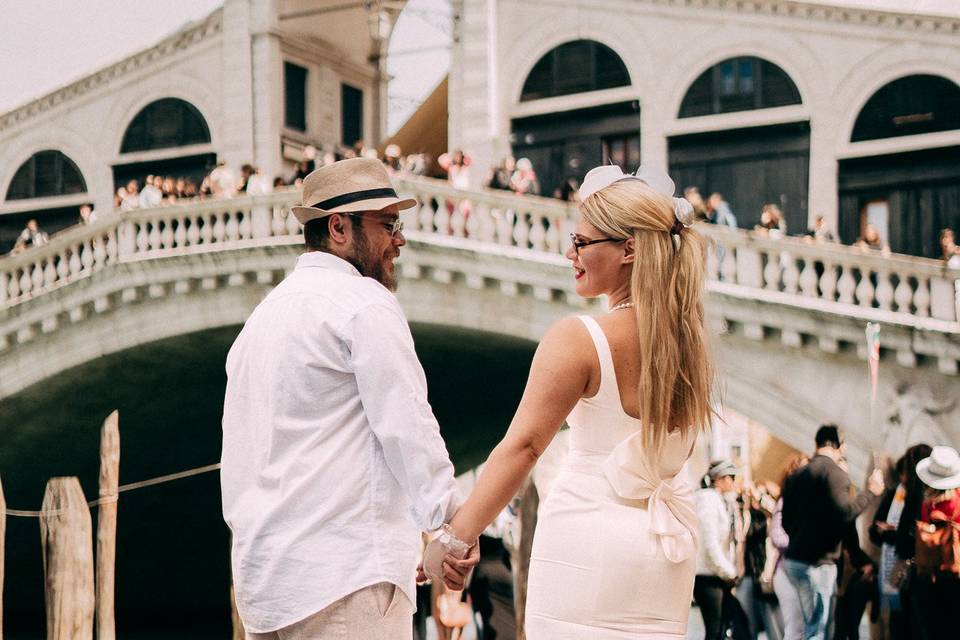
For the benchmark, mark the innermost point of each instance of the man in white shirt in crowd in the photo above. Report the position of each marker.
(332, 459)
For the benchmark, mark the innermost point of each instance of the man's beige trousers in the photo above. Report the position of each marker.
(378, 612)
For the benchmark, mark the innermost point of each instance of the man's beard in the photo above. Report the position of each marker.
(369, 264)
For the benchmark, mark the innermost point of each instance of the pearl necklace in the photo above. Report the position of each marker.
(622, 305)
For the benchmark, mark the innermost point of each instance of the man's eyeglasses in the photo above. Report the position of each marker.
(579, 243)
(393, 227)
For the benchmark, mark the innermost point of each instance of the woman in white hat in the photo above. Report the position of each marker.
(935, 597)
(615, 553)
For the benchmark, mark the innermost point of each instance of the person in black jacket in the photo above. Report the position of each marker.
(894, 531)
(817, 510)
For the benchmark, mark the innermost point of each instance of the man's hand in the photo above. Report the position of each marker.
(875, 483)
(440, 564)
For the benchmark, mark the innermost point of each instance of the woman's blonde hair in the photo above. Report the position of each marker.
(666, 287)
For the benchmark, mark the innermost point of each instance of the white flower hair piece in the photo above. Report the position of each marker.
(657, 179)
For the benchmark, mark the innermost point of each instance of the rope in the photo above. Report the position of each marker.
(121, 489)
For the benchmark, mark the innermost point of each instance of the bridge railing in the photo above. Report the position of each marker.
(895, 288)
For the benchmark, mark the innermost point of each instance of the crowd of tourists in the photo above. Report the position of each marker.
(787, 559)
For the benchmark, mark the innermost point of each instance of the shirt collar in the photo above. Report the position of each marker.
(325, 260)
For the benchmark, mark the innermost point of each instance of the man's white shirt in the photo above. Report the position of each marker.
(332, 459)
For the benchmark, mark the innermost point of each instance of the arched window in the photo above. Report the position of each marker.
(166, 123)
(739, 84)
(46, 173)
(575, 67)
(908, 106)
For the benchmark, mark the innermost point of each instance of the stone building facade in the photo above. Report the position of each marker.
(254, 82)
(833, 111)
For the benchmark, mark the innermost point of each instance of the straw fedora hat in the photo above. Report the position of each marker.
(348, 186)
(941, 470)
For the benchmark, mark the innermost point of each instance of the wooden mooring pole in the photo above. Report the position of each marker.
(3, 534)
(66, 537)
(107, 526)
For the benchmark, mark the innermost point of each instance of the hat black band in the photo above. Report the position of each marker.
(348, 198)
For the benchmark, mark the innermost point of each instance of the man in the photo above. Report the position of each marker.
(31, 236)
(719, 211)
(817, 511)
(332, 459)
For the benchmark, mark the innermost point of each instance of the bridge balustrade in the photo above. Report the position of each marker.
(906, 290)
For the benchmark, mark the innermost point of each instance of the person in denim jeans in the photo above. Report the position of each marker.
(817, 510)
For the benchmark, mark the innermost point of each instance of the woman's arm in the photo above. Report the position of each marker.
(559, 376)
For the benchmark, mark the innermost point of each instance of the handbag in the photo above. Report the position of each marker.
(900, 574)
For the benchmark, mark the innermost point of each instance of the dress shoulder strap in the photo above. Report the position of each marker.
(609, 392)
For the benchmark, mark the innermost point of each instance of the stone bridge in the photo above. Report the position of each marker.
(788, 317)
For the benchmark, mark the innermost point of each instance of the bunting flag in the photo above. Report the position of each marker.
(873, 357)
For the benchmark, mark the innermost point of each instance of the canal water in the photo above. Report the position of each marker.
(172, 544)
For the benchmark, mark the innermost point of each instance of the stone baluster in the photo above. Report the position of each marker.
(921, 299)
(473, 222)
(75, 265)
(903, 294)
(772, 272)
(206, 229)
(219, 227)
(486, 224)
(13, 286)
(504, 225)
(293, 225)
(884, 292)
(112, 245)
(180, 235)
(278, 224)
(4, 283)
(127, 239)
(828, 282)
(865, 289)
(245, 223)
(847, 284)
(943, 298)
(166, 235)
(26, 283)
(154, 236)
(143, 238)
(728, 265)
(260, 218)
(458, 221)
(426, 215)
(49, 273)
(63, 266)
(36, 277)
(713, 263)
(521, 230)
(808, 278)
(749, 272)
(86, 255)
(99, 252)
(231, 229)
(441, 219)
(791, 275)
(553, 238)
(538, 233)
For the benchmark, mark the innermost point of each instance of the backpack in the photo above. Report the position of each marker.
(938, 546)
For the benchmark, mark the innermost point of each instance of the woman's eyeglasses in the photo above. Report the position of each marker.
(579, 243)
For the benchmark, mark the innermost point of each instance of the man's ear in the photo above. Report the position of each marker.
(339, 228)
(628, 251)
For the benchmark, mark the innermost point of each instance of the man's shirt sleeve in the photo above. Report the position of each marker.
(393, 391)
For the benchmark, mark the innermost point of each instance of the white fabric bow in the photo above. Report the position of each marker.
(673, 516)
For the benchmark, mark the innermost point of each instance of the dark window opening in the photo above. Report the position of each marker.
(575, 67)
(294, 96)
(351, 114)
(47, 173)
(623, 151)
(739, 84)
(909, 106)
(166, 123)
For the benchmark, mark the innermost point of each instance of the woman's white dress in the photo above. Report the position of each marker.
(614, 553)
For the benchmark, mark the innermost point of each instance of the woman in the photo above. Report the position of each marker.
(614, 554)
(894, 531)
(937, 592)
(787, 595)
(717, 571)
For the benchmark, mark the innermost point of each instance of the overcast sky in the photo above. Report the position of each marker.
(45, 44)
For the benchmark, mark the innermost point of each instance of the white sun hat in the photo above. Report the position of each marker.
(941, 470)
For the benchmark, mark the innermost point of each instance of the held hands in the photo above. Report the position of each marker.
(449, 559)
